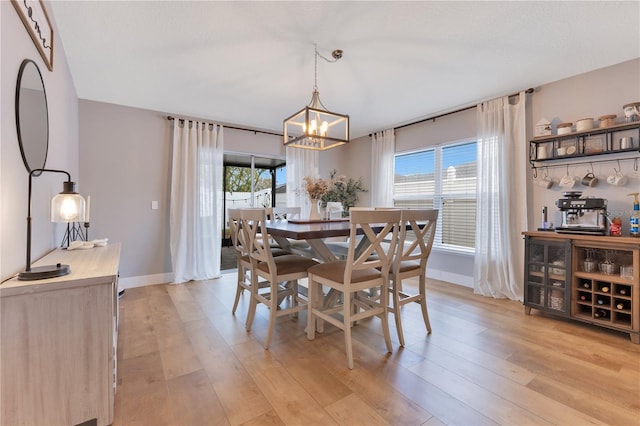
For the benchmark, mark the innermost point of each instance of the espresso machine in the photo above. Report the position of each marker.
(582, 215)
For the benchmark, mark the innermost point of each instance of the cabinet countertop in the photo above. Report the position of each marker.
(89, 266)
(580, 237)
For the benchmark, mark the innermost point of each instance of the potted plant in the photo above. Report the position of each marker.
(344, 190)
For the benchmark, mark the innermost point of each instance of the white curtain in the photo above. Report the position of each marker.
(300, 163)
(196, 201)
(383, 146)
(501, 199)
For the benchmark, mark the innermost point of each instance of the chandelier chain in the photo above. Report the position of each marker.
(315, 47)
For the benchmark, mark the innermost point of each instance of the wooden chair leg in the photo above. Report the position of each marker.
(294, 296)
(423, 303)
(311, 321)
(397, 285)
(347, 329)
(239, 289)
(319, 322)
(384, 295)
(273, 308)
(253, 302)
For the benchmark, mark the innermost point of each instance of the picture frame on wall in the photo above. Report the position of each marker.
(36, 20)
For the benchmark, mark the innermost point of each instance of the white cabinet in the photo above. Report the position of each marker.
(58, 341)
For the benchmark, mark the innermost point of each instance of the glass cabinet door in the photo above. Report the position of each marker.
(546, 275)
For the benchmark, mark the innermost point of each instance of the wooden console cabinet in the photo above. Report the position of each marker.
(593, 279)
(59, 340)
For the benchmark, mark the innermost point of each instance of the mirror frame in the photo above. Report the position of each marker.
(29, 167)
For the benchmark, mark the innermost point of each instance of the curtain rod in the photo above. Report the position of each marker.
(529, 90)
(170, 118)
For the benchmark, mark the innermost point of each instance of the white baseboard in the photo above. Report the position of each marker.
(450, 277)
(143, 280)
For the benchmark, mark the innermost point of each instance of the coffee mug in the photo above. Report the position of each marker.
(545, 182)
(626, 142)
(567, 181)
(589, 179)
(617, 179)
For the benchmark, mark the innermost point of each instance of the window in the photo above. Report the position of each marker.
(442, 178)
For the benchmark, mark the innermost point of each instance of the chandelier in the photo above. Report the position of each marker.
(314, 127)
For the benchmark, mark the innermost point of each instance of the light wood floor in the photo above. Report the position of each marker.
(184, 359)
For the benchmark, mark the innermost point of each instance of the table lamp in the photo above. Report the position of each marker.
(67, 206)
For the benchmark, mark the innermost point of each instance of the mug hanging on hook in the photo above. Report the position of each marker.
(590, 178)
(546, 181)
(567, 180)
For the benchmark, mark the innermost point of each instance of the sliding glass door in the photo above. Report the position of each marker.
(251, 181)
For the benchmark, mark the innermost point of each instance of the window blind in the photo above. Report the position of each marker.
(443, 178)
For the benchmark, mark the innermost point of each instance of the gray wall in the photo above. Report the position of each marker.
(592, 94)
(16, 45)
(126, 164)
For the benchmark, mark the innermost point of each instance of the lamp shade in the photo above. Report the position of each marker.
(67, 206)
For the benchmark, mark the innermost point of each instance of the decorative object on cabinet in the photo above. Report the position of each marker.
(564, 128)
(67, 206)
(32, 116)
(543, 128)
(594, 144)
(631, 112)
(602, 279)
(607, 120)
(584, 124)
(36, 20)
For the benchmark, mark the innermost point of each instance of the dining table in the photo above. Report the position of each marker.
(315, 233)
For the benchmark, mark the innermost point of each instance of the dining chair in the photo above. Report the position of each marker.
(275, 270)
(414, 247)
(286, 213)
(355, 277)
(243, 280)
(242, 256)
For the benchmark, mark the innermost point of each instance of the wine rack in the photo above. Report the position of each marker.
(604, 301)
(598, 282)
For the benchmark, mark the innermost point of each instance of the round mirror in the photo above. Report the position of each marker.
(32, 116)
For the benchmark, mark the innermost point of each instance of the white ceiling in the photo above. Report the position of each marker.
(252, 63)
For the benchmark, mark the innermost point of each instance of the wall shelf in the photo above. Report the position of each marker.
(556, 150)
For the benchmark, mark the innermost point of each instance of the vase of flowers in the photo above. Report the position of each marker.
(344, 190)
(315, 189)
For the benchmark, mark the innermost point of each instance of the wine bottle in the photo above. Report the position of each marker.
(586, 284)
(605, 289)
(600, 301)
(583, 297)
(622, 291)
(600, 313)
(620, 305)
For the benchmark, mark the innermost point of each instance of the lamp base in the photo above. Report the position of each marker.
(44, 272)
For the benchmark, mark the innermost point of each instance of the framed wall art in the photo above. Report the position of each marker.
(36, 21)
